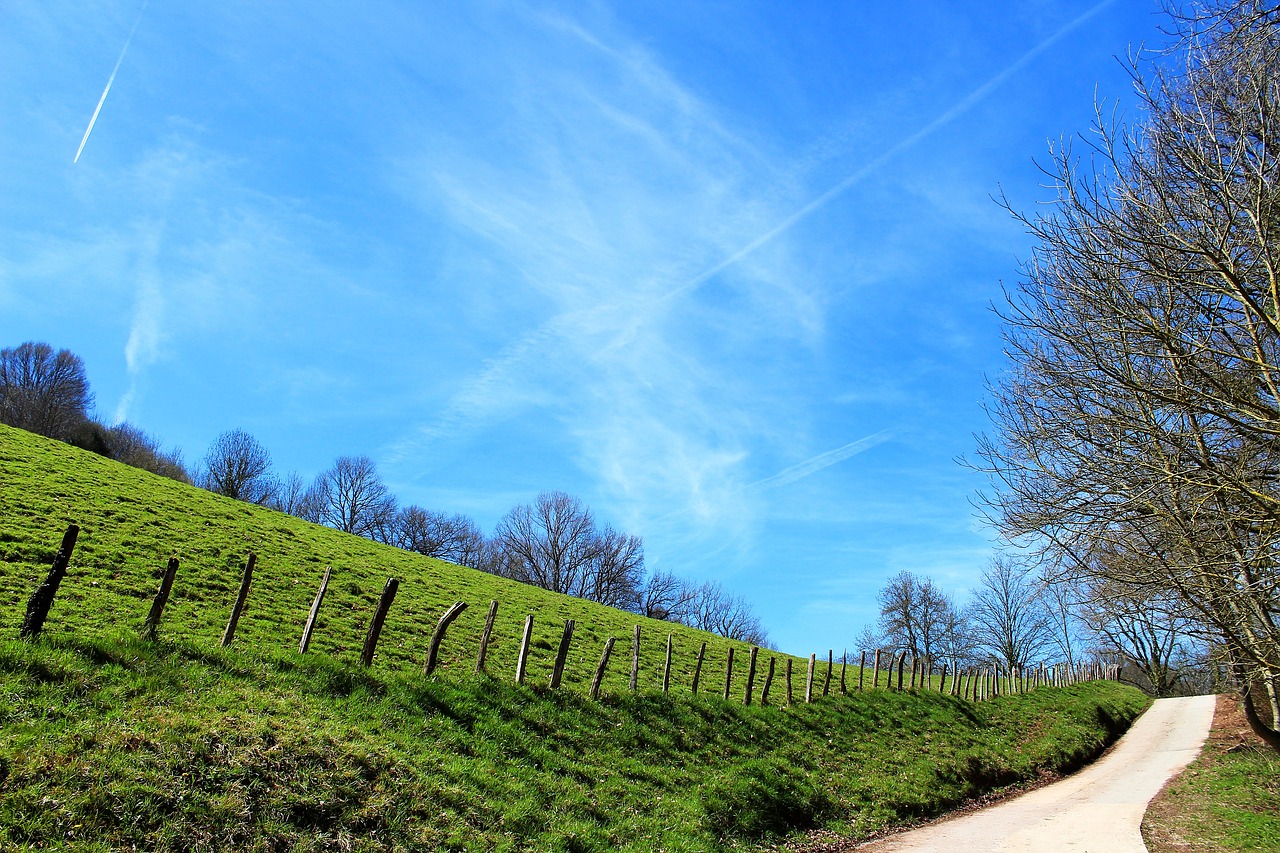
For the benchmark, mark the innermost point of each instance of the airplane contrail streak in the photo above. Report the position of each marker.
(961, 107)
(822, 460)
(94, 120)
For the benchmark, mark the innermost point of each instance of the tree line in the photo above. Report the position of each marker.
(1135, 442)
(554, 542)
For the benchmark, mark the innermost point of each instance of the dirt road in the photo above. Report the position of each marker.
(1098, 810)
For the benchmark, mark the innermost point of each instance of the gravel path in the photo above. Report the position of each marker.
(1098, 810)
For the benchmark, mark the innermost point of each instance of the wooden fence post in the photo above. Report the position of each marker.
(844, 665)
(942, 685)
(437, 636)
(524, 649)
(697, 667)
(42, 599)
(484, 635)
(728, 673)
(914, 665)
(162, 598)
(310, 626)
(379, 616)
(230, 633)
(751, 674)
(826, 679)
(788, 674)
(635, 659)
(557, 671)
(862, 668)
(808, 682)
(604, 662)
(768, 682)
(666, 668)
(902, 661)
(875, 673)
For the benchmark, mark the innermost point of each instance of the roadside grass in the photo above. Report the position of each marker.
(1228, 799)
(112, 742)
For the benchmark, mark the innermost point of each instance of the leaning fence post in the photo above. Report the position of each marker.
(788, 675)
(484, 636)
(697, 667)
(666, 668)
(728, 672)
(379, 616)
(150, 627)
(808, 682)
(524, 649)
(768, 682)
(246, 579)
(437, 636)
(826, 679)
(751, 674)
(42, 599)
(305, 643)
(557, 671)
(604, 662)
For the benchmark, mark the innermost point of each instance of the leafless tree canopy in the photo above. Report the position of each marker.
(131, 445)
(918, 618)
(455, 538)
(351, 497)
(238, 466)
(43, 391)
(1137, 433)
(1010, 619)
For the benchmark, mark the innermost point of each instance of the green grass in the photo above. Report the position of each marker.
(108, 741)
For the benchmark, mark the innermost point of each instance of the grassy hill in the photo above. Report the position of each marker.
(108, 741)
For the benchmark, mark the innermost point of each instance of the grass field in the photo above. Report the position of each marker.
(108, 741)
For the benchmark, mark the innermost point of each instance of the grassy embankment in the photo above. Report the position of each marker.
(109, 741)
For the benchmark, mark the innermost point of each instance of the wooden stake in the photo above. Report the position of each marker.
(557, 671)
(768, 682)
(808, 682)
(788, 675)
(484, 635)
(524, 648)
(875, 673)
(379, 616)
(697, 668)
(150, 627)
(751, 674)
(635, 659)
(666, 668)
(826, 679)
(728, 673)
(42, 599)
(604, 662)
(862, 668)
(437, 636)
(308, 628)
(230, 633)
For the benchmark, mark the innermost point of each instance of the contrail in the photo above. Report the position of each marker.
(963, 106)
(822, 460)
(92, 121)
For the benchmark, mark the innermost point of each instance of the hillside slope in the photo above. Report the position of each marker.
(108, 741)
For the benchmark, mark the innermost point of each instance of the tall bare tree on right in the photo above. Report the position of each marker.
(1141, 414)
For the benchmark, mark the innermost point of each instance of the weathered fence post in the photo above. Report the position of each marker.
(437, 636)
(751, 674)
(728, 672)
(485, 634)
(875, 673)
(902, 662)
(844, 665)
(788, 674)
(230, 633)
(524, 649)
(604, 662)
(557, 671)
(379, 616)
(914, 665)
(862, 668)
(162, 598)
(697, 667)
(310, 626)
(826, 679)
(635, 659)
(666, 668)
(42, 599)
(942, 685)
(808, 681)
(768, 682)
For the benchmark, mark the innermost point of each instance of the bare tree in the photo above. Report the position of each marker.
(719, 611)
(454, 538)
(666, 596)
(1149, 630)
(43, 391)
(615, 569)
(1141, 415)
(916, 616)
(131, 445)
(1008, 615)
(351, 497)
(239, 467)
(549, 543)
(290, 495)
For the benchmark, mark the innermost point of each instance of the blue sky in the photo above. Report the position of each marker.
(721, 270)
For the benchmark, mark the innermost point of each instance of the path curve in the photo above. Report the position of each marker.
(1098, 810)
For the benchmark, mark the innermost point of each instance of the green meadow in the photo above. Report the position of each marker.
(112, 742)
